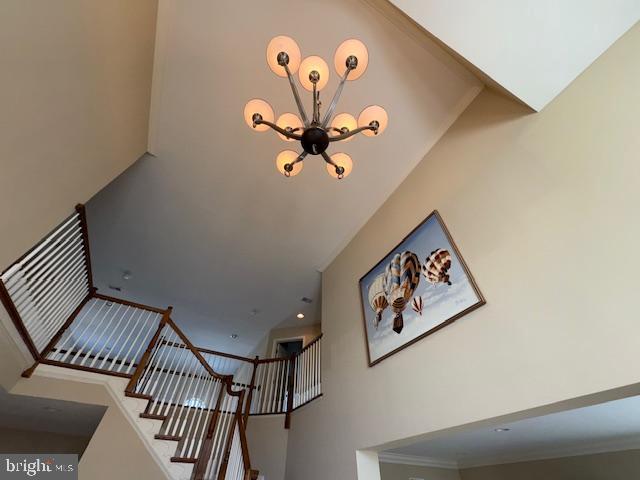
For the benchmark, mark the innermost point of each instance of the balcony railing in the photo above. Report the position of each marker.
(203, 397)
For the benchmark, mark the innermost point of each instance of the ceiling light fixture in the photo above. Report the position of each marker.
(502, 430)
(233, 336)
(300, 315)
(315, 133)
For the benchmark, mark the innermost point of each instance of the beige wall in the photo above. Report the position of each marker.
(605, 466)
(30, 441)
(267, 440)
(544, 209)
(75, 94)
(308, 333)
(396, 471)
(115, 450)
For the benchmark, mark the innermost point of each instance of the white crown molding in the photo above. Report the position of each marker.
(615, 445)
(388, 457)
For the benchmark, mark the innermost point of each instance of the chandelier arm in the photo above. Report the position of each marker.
(336, 97)
(351, 133)
(300, 158)
(296, 96)
(327, 159)
(282, 131)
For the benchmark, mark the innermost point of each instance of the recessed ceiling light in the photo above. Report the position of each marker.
(127, 275)
(233, 336)
(502, 430)
(300, 315)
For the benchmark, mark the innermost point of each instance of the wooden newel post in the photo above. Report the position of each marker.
(290, 391)
(131, 386)
(252, 387)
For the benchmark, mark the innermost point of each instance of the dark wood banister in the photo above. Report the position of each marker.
(6, 300)
(127, 303)
(226, 380)
(147, 353)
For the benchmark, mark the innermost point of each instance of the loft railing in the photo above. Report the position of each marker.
(307, 385)
(107, 335)
(203, 397)
(48, 285)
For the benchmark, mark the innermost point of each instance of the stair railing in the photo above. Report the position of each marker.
(45, 288)
(196, 404)
(282, 385)
(203, 397)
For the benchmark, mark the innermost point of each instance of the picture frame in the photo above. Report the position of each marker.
(422, 285)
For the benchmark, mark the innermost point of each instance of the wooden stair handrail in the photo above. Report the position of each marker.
(224, 378)
(147, 353)
(311, 343)
(128, 303)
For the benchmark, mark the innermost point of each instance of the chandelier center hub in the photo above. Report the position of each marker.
(315, 140)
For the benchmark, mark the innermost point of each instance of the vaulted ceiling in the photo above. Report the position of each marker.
(206, 223)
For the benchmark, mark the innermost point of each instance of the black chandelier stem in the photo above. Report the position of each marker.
(316, 105)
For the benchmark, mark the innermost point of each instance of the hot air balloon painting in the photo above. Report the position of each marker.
(402, 276)
(416, 304)
(378, 298)
(446, 293)
(436, 266)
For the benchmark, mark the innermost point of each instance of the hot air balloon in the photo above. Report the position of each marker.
(416, 304)
(401, 279)
(436, 267)
(377, 298)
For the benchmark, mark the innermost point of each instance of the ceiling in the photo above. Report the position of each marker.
(22, 412)
(533, 50)
(207, 224)
(599, 428)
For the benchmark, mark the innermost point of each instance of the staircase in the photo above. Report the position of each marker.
(190, 405)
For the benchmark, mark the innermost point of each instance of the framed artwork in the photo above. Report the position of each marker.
(422, 285)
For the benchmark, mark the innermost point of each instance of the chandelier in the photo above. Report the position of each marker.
(315, 133)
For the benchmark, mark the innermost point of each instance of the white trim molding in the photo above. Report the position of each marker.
(389, 457)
